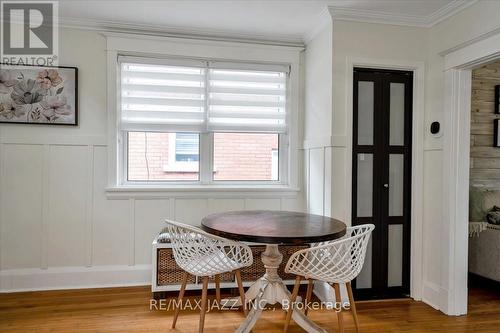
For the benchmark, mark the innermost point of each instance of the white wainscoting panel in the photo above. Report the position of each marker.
(316, 181)
(271, 204)
(327, 181)
(225, 205)
(110, 245)
(293, 204)
(59, 230)
(190, 210)
(340, 180)
(21, 206)
(149, 220)
(67, 178)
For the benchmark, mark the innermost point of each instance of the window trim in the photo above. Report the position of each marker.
(169, 47)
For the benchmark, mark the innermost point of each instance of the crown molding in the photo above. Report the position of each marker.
(297, 40)
(370, 16)
(323, 19)
(449, 10)
(176, 32)
(105, 26)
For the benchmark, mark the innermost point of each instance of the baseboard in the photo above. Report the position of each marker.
(32, 279)
(431, 294)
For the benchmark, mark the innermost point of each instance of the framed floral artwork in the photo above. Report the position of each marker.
(496, 133)
(497, 99)
(38, 95)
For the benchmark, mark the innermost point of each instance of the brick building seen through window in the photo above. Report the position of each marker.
(175, 156)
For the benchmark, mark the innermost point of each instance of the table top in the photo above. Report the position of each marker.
(273, 227)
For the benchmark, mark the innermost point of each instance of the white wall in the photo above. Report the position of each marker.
(476, 21)
(318, 131)
(389, 42)
(57, 227)
(318, 85)
(355, 40)
(326, 126)
(366, 43)
(328, 159)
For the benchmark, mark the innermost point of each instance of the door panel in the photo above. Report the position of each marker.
(366, 110)
(397, 114)
(395, 259)
(382, 178)
(396, 184)
(365, 185)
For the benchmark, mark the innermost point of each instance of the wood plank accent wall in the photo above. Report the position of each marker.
(485, 159)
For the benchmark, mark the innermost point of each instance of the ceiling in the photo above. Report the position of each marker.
(288, 21)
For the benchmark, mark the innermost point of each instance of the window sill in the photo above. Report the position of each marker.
(200, 191)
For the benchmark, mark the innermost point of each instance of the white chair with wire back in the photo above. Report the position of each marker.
(334, 262)
(204, 255)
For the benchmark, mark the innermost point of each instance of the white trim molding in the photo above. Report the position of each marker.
(201, 191)
(161, 30)
(269, 38)
(373, 16)
(322, 21)
(326, 141)
(31, 279)
(457, 103)
(456, 191)
(417, 173)
(481, 51)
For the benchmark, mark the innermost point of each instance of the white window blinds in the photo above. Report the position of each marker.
(199, 96)
(162, 97)
(242, 99)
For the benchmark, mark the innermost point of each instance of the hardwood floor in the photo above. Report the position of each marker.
(127, 310)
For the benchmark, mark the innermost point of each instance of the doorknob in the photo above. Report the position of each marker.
(386, 185)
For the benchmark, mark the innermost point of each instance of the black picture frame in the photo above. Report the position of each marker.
(497, 99)
(496, 134)
(75, 123)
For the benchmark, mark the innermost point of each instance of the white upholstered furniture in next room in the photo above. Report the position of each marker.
(484, 231)
(204, 255)
(334, 262)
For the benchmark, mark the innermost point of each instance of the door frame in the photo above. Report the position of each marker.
(458, 65)
(417, 168)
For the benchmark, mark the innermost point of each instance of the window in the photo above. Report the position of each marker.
(152, 156)
(246, 156)
(187, 147)
(203, 121)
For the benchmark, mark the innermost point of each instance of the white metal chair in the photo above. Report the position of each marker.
(202, 254)
(334, 262)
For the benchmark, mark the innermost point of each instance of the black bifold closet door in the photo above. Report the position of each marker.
(382, 123)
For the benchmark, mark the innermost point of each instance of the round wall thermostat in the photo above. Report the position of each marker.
(435, 128)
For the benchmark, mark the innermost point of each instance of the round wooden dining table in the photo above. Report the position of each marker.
(273, 228)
